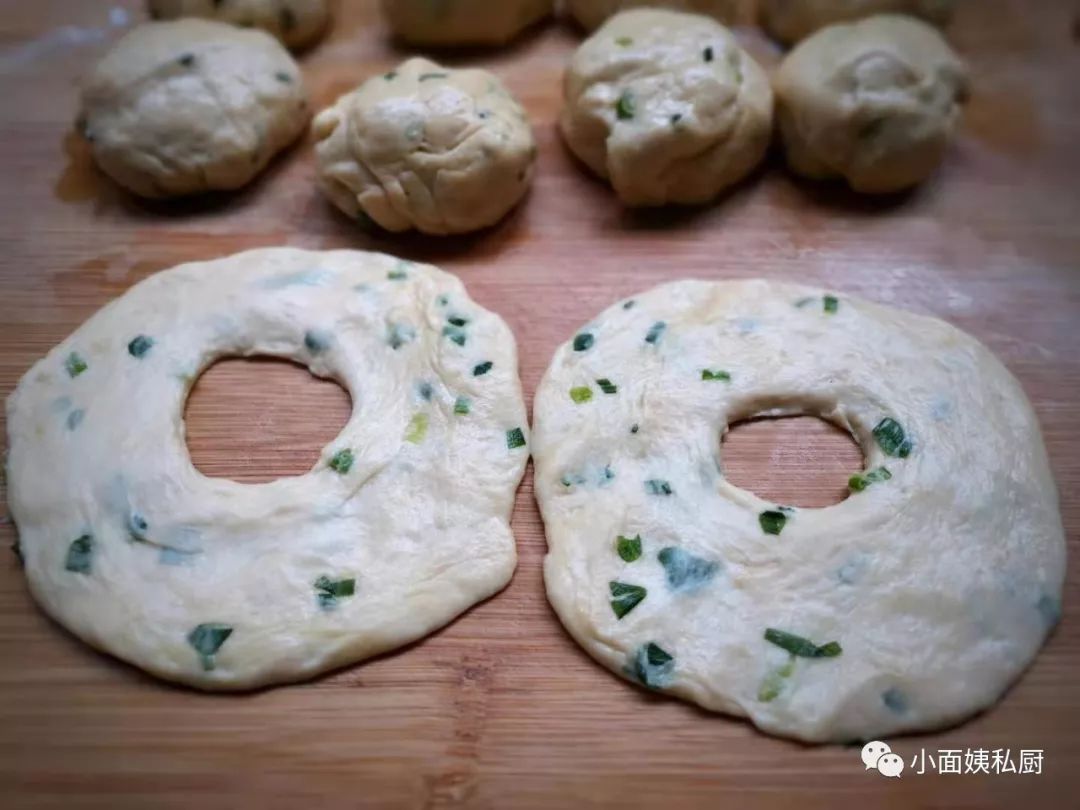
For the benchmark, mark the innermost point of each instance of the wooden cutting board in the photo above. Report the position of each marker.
(501, 709)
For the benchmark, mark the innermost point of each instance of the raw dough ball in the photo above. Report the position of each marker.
(910, 605)
(875, 102)
(190, 106)
(792, 20)
(426, 147)
(463, 22)
(591, 13)
(403, 523)
(295, 22)
(667, 107)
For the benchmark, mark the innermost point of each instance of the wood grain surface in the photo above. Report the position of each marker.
(501, 709)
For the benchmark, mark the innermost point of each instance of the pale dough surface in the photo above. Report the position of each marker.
(297, 23)
(190, 106)
(591, 13)
(938, 584)
(418, 519)
(792, 20)
(426, 147)
(667, 107)
(463, 22)
(876, 103)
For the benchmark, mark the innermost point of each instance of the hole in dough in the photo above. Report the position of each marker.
(258, 419)
(793, 460)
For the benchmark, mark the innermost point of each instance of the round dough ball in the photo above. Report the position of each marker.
(667, 107)
(910, 605)
(792, 20)
(403, 523)
(591, 13)
(874, 102)
(297, 23)
(463, 22)
(190, 106)
(426, 147)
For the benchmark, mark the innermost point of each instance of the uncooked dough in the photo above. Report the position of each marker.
(910, 605)
(185, 107)
(426, 147)
(402, 525)
(792, 20)
(297, 23)
(591, 13)
(667, 107)
(463, 22)
(875, 102)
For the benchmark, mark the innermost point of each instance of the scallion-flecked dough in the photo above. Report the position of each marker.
(792, 20)
(667, 107)
(590, 14)
(418, 516)
(938, 583)
(191, 106)
(875, 102)
(297, 23)
(426, 147)
(463, 22)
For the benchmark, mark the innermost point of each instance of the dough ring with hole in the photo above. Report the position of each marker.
(912, 604)
(402, 524)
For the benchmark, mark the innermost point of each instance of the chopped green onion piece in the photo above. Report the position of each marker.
(316, 342)
(891, 438)
(831, 304)
(629, 304)
(186, 59)
(581, 394)
(625, 107)
(626, 597)
(607, 386)
(624, 41)
(655, 486)
(652, 665)
(425, 391)
(804, 302)
(207, 640)
(390, 76)
(707, 54)
(398, 334)
(75, 365)
(859, 482)
(515, 438)
(418, 428)
(342, 461)
(457, 320)
(583, 342)
(772, 521)
(455, 333)
(709, 375)
(685, 571)
(482, 368)
(462, 405)
(79, 555)
(397, 275)
(773, 683)
(328, 591)
(629, 548)
(140, 346)
(655, 332)
(634, 428)
(802, 647)
(424, 77)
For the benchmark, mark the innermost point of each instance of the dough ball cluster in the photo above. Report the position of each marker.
(875, 102)
(590, 14)
(190, 106)
(667, 107)
(297, 23)
(792, 20)
(463, 22)
(428, 148)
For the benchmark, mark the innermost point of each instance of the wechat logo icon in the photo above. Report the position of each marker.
(879, 756)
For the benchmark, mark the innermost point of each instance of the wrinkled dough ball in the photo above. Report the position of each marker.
(442, 151)
(185, 107)
(792, 20)
(297, 23)
(463, 22)
(667, 107)
(875, 102)
(591, 13)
